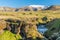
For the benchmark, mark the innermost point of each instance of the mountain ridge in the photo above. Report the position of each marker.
(29, 8)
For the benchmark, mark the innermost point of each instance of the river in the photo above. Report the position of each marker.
(42, 28)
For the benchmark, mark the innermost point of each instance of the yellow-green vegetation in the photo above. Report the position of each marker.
(53, 27)
(2, 24)
(53, 30)
(7, 35)
(31, 31)
(30, 17)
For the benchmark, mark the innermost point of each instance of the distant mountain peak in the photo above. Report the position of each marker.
(30, 7)
(36, 6)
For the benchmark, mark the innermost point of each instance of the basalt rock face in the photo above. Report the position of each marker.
(26, 30)
(13, 25)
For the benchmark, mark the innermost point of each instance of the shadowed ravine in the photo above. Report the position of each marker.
(27, 31)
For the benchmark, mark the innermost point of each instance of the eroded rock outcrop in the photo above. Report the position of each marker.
(26, 30)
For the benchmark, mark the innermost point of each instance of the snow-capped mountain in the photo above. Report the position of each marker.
(33, 7)
(29, 8)
(38, 6)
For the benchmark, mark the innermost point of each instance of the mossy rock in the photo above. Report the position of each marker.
(53, 28)
(7, 35)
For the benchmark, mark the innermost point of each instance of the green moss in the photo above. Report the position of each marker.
(54, 28)
(7, 35)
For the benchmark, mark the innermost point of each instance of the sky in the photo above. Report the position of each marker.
(22, 3)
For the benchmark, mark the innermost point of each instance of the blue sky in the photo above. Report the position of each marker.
(22, 3)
